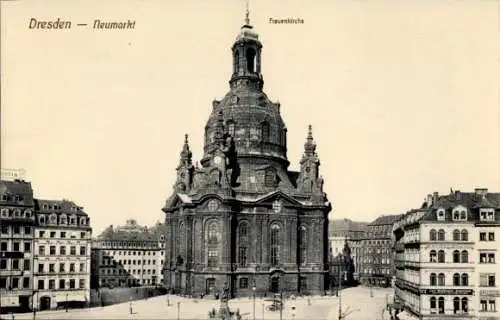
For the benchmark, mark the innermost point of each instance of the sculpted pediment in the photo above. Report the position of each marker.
(278, 196)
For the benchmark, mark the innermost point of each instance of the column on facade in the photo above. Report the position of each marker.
(264, 243)
(293, 240)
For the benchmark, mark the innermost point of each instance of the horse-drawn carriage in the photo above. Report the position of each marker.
(276, 304)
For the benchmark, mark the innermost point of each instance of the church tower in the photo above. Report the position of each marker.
(242, 218)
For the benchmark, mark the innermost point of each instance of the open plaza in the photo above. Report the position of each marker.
(359, 303)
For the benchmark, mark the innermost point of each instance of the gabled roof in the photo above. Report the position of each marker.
(386, 219)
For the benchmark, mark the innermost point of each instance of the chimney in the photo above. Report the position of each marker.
(481, 191)
(435, 197)
(429, 201)
(458, 195)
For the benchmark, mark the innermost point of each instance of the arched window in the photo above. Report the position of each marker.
(441, 281)
(456, 305)
(456, 256)
(441, 305)
(270, 177)
(264, 128)
(236, 61)
(456, 235)
(275, 244)
(463, 215)
(456, 279)
(302, 245)
(433, 256)
(441, 256)
(441, 235)
(465, 256)
(433, 303)
(465, 235)
(465, 307)
(433, 279)
(251, 60)
(243, 244)
(230, 127)
(465, 279)
(433, 235)
(213, 239)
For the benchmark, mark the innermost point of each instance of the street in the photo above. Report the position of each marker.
(356, 304)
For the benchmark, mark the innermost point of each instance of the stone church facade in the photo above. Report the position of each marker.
(241, 220)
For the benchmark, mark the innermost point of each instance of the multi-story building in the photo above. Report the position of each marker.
(17, 219)
(129, 256)
(45, 250)
(376, 266)
(243, 219)
(62, 255)
(445, 256)
(352, 232)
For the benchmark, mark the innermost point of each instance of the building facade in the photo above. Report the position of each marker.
(352, 232)
(17, 221)
(445, 261)
(376, 267)
(61, 261)
(242, 219)
(45, 251)
(128, 257)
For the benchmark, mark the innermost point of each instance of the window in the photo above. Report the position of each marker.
(491, 258)
(456, 235)
(265, 131)
(441, 256)
(491, 236)
(71, 267)
(5, 229)
(465, 235)
(72, 250)
(41, 234)
(242, 244)
(63, 234)
(26, 282)
(441, 278)
(433, 303)
(82, 235)
(441, 305)
(16, 246)
(456, 256)
(41, 284)
(40, 267)
(456, 305)
(26, 265)
(213, 245)
(433, 235)
(82, 283)
(82, 250)
(465, 279)
(52, 234)
(465, 307)
(275, 244)
(456, 279)
(16, 229)
(440, 214)
(72, 283)
(27, 230)
(3, 264)
(41, 250)
(432, 279)
(52, 284)
(62, 250)
(61, 267)
(487, 214)
(61, 283)
(487, 279)
(243, 283)
(15, 283)
(482, 236)
(3, 246)
(465, 256)
(441, 235)
(52, 250)
(51, 268)
(27, 247)
(15, 264)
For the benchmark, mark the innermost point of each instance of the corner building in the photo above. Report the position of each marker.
(242, 219)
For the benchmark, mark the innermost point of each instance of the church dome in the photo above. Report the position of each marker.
(245, 113)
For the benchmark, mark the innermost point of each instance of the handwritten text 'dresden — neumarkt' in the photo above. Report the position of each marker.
(59, 24)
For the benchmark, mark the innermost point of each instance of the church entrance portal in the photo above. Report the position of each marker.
(275, 284)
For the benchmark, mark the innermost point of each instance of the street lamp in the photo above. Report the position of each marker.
(66, 302)
(253, 289)
(178, 310)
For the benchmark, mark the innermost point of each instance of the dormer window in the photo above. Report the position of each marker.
(487, 214)
(5, 197)
(62, 219)
(41, 219)
(440, 214)
(459, 214)
(45, 206)
(5, 212)
(53, 218)
(28, 213)
(82, 221)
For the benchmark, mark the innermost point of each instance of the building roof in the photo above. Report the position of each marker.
(58, 206)
(16, 188)
(386, 220)
(340, 227)
(132, 231)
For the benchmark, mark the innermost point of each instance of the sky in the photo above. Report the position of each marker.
(403, 97)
